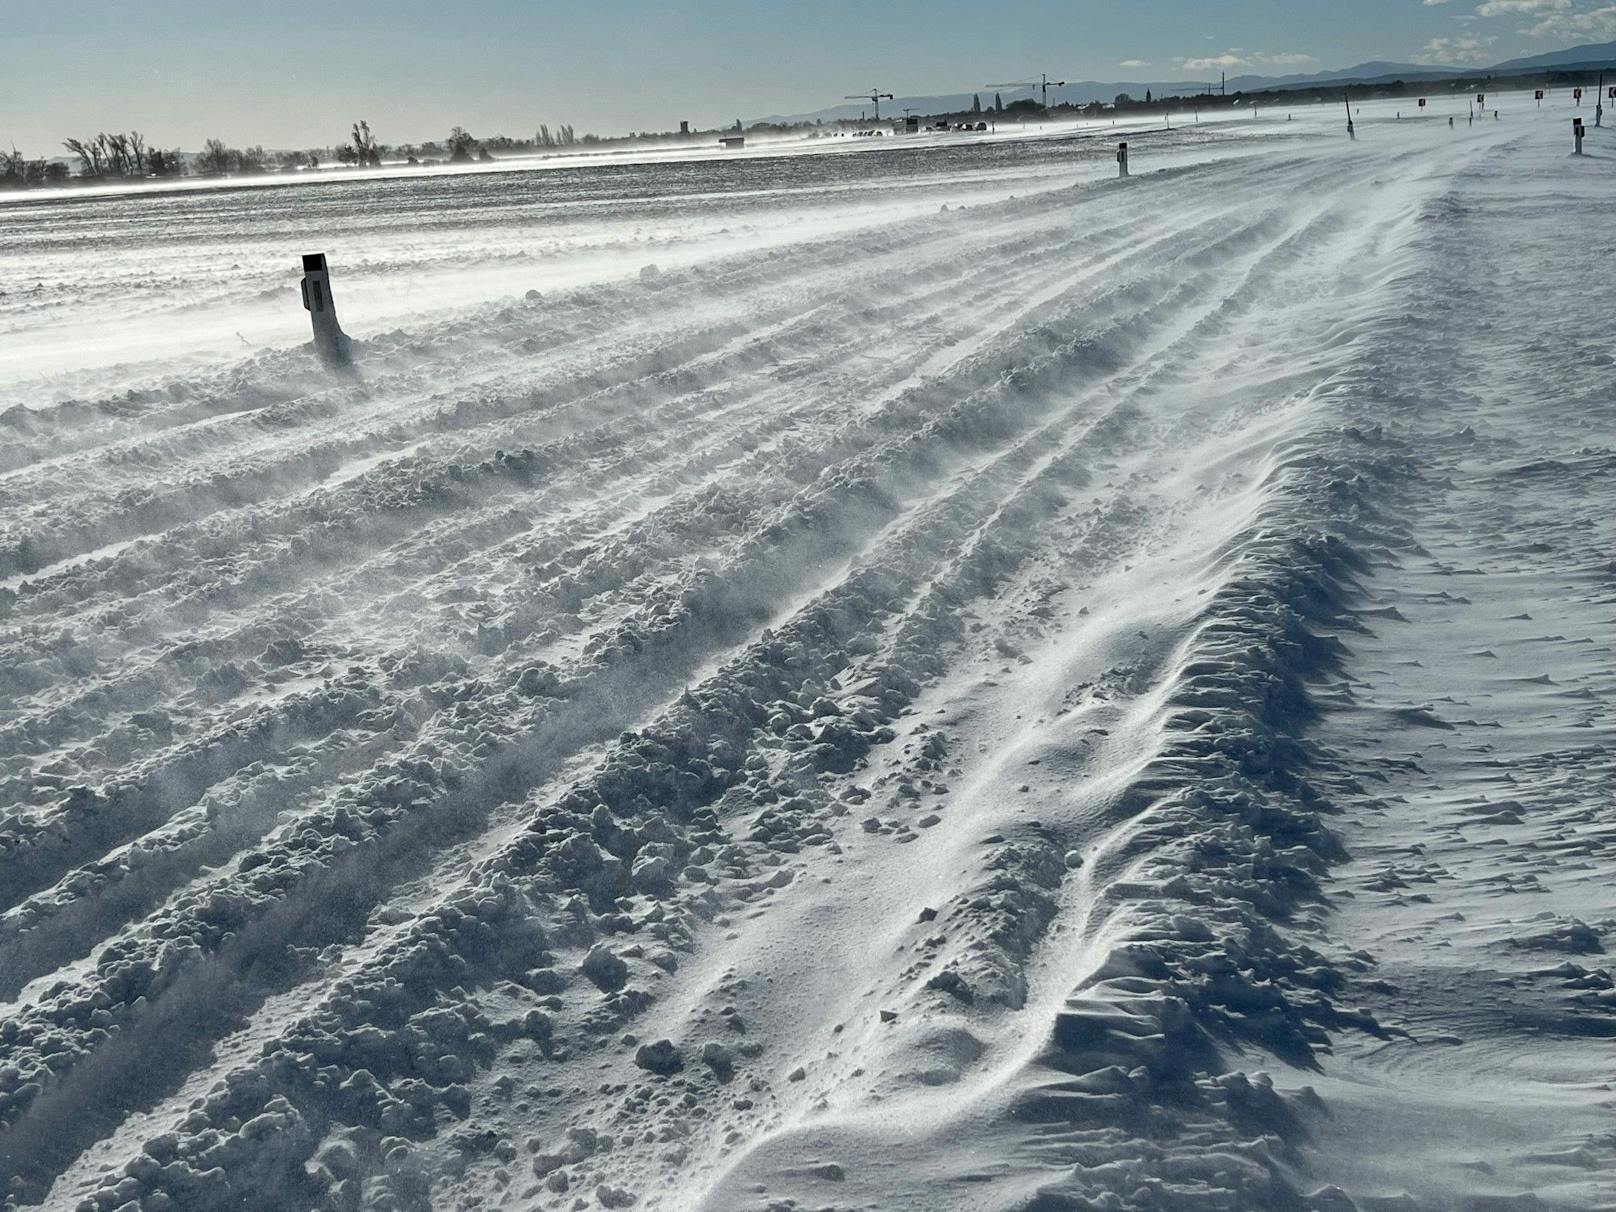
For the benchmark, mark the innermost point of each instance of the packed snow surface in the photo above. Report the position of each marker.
(918, 676)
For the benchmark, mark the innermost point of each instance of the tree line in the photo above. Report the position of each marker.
(128, 156)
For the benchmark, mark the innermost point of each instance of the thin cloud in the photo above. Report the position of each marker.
(1559, 19)
(1505, 8)
(1235, 57)
(1597, 24)
(1456, 50)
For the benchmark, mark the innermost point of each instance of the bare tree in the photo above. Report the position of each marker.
(461, 144)
(366, 152)
(89, 155)
(214, 159)
(117, 153)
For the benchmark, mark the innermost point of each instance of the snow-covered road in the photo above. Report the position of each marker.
(955, 690)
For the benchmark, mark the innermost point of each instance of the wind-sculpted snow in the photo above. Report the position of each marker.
(876, 720)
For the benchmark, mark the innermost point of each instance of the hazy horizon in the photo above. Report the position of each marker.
(297, 76)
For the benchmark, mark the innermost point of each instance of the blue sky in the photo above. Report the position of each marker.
(291, 73)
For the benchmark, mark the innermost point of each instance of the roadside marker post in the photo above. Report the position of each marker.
(1576, 134)
(330, 342)
(1122, 160)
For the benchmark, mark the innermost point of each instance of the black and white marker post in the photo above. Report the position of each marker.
(330, 342)
(1576, 135)
(1122, 160)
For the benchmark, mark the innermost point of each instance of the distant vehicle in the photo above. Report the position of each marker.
(981, 126)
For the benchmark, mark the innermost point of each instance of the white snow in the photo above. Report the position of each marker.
(1099, 696)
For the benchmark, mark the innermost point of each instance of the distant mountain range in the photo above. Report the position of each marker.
(1375, 69)
(1595, 53)
(1591, 56)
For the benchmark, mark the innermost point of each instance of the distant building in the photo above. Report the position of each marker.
(684, 128)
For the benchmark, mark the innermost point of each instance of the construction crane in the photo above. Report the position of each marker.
(1043, 84)
(874, 96)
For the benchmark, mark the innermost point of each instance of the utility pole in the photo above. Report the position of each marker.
(875, 96)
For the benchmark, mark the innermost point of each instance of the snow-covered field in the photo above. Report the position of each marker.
(906, 677)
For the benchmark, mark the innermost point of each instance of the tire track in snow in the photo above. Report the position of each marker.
(88, 839)
(1129, 1053)
(1148, 306)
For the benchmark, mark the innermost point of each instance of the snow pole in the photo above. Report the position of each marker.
(330, 342)
(1599, 102)
(1122, 160)
(1346, 99)
(1576, 135)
